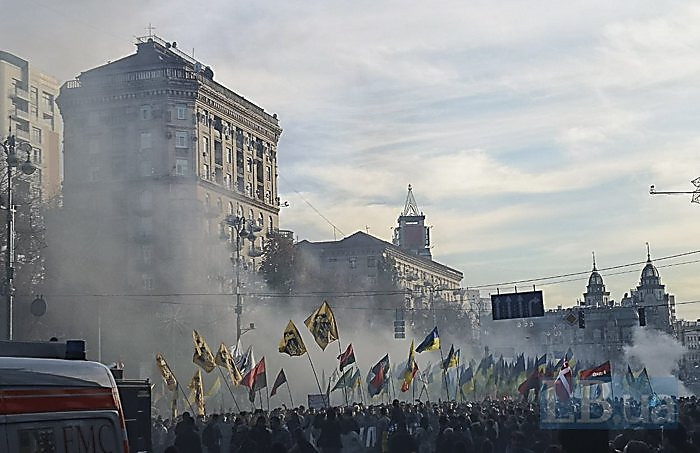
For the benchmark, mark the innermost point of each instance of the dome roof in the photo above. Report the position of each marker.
(649, 271)
(595, 279)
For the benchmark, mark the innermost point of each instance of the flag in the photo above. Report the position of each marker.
(202, 354)
(215, 387)
(225, 359)
(347, 357)
(197, 392)
(430, 343)
(376, 378)
(452, 359)
(173, 407)
(281, 379)
(466, 381)
(644, 383)
(291, 342)
(256, 379)
(564, 384)
(166, 372)
(600, 373)
(541, 364)
(410, 370)
(345, 381)
(322, 325)
(532, 382)
(570, 359)
(356, 380)
(247, 361)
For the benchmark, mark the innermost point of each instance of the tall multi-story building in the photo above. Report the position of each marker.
(27, 107)
(157, 155)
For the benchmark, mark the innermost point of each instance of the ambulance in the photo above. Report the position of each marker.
(54, 401)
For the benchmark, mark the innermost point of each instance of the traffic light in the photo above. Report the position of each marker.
(642, 316)
(399, 325)
(581, 320)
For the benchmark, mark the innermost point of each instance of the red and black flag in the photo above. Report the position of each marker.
(532, 382)
(281, 379)
(256, 379)
(347, 357)
(601, 373)
(378, 376)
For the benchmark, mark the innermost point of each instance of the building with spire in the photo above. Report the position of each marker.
(411, 234)
(598, 327)
(595, 295)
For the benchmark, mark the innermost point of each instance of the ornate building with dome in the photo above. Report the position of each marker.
(608, 325)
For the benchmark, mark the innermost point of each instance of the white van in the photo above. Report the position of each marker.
(58, 406)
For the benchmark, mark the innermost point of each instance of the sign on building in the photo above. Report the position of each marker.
(517, 305)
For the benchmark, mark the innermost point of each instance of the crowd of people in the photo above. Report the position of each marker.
(488, 426)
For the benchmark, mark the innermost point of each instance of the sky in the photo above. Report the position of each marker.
(529, 131)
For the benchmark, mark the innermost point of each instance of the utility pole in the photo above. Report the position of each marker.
(695, 193)
(242, 228)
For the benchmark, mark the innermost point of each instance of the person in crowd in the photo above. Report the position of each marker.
(329, 436)
(187, 436)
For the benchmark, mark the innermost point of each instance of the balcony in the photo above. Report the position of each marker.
(21, 93)
(18, 114)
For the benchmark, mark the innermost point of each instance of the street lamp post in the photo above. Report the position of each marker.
(242, 228)
(10, 147)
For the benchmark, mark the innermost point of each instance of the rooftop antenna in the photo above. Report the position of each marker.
(150, 29)
(695, 193)
(648, 252)
(594, 261)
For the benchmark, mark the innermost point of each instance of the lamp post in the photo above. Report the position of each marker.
(10, 147)
(242, 228)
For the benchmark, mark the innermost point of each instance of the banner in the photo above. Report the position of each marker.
(292, 343)
(322, 325)
(166, 372)
(203, 356)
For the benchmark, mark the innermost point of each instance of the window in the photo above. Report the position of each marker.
(34, 111)
(37, 156)
(34, 96)
(228, 181)
(145, 141)
(147, 254)
(181, 167)
(205, 171)
(181, 111)
(268, 173)
(181, 139)
(249, 189)
(47, 101)
(230, 208)
(207, 200)
(145, 169)
(249, 164)
(94, 174)
(371, 261)
(147, 281)
(94, 146)
(229, 155)
(145, 112)
(267, 196)
(353, 263)
(219, 205)
(270, 226)
(205, 146)
(261, 220)
(36, 135)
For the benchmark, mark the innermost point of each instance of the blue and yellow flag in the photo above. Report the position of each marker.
(466, 381)
(541, 364)
(431, 342)
(452, 360)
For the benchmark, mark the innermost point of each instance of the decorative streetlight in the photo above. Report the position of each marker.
(10, 147)
(246, 229)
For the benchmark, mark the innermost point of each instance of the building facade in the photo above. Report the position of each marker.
(157, 155)
(27, 103)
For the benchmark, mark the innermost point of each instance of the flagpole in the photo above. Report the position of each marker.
(229, 389)
(260, 398)
(185, 396)
(345, 390)
(290, 392)
(267, 392)
(315, 375)
(444, 374)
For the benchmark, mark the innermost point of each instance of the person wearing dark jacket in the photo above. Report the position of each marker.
(401, 441)
(329, 439)
(186, 437)
(261, 435)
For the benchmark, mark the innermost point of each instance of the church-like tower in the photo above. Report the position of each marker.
(411, 234)
(595, 295)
